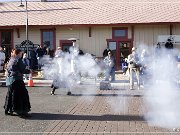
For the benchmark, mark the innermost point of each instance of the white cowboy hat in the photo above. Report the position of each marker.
(133, 49)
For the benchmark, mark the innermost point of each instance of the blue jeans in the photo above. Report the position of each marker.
(110, 72)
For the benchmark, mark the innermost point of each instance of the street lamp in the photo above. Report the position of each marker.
(26, 10)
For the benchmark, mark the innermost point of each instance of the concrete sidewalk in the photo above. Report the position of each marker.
(121, 80)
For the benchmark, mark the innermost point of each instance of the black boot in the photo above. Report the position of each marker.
(52, 92)
(6, 112)
(69, 93)
(25, 115)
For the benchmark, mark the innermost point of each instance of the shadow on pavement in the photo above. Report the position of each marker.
(48, 116)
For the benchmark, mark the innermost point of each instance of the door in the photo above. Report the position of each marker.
(113, 47)
(120, 51)
(6, 41)
(65, 45)
(124, 51)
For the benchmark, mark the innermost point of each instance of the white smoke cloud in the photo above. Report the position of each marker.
(118, 104)
(161, 96)
(68, 69)
(162, 92)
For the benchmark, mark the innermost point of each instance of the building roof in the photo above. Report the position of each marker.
(90, 12)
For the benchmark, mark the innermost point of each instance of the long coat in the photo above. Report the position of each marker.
(17, 98)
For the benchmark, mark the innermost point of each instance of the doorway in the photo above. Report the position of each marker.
(120, 50)
(65, 45)
(6, 42)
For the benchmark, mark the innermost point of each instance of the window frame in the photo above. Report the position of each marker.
(54, 37)
(120, 37)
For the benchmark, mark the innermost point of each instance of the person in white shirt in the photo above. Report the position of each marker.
(57, 76)
(134, 67)
(27, 63)
(2, 59)
(110, 67)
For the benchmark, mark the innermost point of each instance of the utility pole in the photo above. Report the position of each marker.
(27, 39)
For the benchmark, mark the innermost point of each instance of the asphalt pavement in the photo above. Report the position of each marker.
(45, 108)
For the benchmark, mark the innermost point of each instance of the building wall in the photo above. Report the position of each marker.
(94, 44)
(34, 35)
(176, 31)
(144, 35)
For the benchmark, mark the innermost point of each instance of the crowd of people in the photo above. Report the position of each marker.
(20, 65)
(32, 59)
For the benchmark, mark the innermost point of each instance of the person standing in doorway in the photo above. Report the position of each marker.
(2, 59)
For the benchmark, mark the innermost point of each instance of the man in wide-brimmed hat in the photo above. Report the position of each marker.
(133, 61)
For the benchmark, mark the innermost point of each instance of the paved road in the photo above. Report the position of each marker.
(87, 111)
(45, 108)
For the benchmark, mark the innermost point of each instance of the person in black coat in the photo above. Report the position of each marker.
(17, 98)
(33, 60)
(169, 44)
(105, 52)
(40, 53)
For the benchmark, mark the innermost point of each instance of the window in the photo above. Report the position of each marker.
(6, 37)
(48, 39)
(112, 46)
(120, 33)
(6, 41)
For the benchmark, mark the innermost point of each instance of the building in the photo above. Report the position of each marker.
(119, 24)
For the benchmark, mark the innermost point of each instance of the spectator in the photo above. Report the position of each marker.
(124, 66)
(33, 59)
(169, 44)
(58, 52)
(27, 63)
(145, 60)
(105, 52)
(110, 67)
(2, 59)
(81, 52)
(40, 53)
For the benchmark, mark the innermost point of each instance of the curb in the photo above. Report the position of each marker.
(37, 83)
(48, 83)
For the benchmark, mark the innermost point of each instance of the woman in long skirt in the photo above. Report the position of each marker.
(17, 98)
